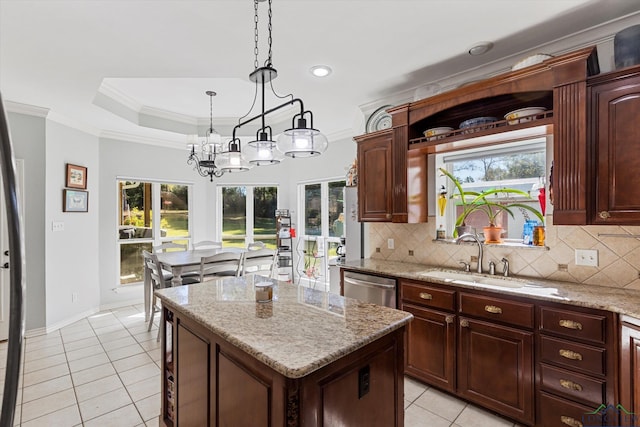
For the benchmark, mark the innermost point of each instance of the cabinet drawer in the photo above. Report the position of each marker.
(497, 309)
(589, 390)
(428, 296)
(573, 324)
(591, 360)
(557, 412)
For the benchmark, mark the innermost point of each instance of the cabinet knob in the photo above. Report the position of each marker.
(568, 354)
(388, 216)
(425, 295)
(570, 324)
(464, 323)
(604, 215)
(570, 385)
(449, 319)
(571, 422)
(492, 309)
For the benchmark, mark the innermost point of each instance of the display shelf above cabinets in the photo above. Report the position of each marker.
(482, 117)
(284, 241)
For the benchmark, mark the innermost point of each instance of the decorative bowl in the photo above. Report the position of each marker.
(437, 133)
(531, 60)
(478, 123)
(523, 115)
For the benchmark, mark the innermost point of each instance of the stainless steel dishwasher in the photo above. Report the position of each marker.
(369, 288)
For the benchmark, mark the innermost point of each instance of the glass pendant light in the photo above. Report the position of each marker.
(302, 141)
(232, 160)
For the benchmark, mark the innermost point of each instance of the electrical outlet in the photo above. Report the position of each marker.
(588, 257)
(57, 226)
(563, 267)
(390, 243)
(74, 297)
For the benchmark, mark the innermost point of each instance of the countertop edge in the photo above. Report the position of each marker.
(616, 300)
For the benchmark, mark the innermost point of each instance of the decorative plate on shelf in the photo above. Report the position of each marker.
(379, 120)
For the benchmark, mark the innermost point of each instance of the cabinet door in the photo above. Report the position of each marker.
(193, 393)
(630, 374)
(617, 112)
(430, 354)
(495, 368)
(375, 178)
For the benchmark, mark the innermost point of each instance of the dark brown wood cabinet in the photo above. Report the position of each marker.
(431, 336)
(575, 366)
(615, 140)
(559, 84)
(630, 371)
(495, 355)
(210, 382)
(375, 176)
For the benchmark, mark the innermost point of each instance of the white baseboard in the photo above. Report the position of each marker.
(66, 322)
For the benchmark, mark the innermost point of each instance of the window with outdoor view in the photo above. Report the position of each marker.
(511, 175)
(248, 214)
(149, 213)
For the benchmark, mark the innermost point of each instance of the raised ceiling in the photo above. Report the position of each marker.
(141, 67)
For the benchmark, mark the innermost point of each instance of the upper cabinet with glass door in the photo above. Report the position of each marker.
(475, 115)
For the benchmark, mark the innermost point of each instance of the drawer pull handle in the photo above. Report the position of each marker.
(492, 309)
(425, 295)
(570, 385)
(568, 354)
(570, 324)
(449, 319)
(464, 323)
(572, 422)
(604, 215)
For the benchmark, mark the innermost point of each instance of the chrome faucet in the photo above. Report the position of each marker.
(474, 237)
(505, 271)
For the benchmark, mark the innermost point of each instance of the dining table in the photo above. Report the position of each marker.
(179, 263)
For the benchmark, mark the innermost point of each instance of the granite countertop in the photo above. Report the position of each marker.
(617, 300)
(300, 331)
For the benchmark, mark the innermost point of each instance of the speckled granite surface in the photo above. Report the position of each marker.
(623, 301)
(300, 331)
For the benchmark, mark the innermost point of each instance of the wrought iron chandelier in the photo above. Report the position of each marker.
(300, 140)
(204, 155)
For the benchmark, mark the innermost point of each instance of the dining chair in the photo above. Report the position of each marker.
(260, 261)
(220, 265)
(157, 282)
(165, 247)
(255, 246)
(207, 244)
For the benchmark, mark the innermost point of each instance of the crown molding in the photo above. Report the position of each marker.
(27, 109)
(73, 124)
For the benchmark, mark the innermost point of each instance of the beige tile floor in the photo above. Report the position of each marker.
(105, 371)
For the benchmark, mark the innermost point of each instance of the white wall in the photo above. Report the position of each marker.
(28, 138)
(72, 261)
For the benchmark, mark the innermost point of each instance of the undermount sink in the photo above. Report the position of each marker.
(474, 279)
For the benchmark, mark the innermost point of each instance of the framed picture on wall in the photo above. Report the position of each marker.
(76, 176)
(75, 201)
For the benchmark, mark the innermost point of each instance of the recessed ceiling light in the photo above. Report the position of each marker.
(480, 48)
(321, 70)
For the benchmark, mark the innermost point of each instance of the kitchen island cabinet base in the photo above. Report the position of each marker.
(218, 384)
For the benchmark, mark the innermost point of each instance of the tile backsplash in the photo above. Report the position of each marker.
(618, 257)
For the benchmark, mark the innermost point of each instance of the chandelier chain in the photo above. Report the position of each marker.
(255, 37)
(269, 63)
(211, 114)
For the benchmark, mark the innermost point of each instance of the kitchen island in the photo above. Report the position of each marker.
(307, 358)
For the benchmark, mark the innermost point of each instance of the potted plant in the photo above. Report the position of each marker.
(473, 201)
